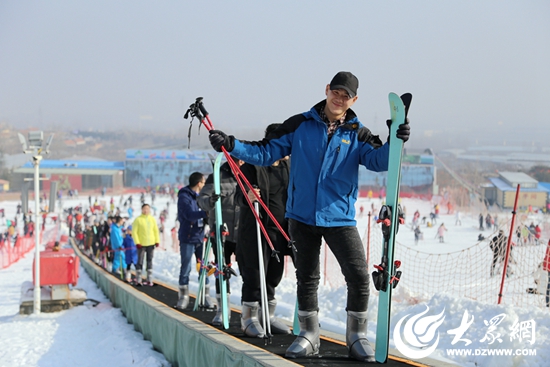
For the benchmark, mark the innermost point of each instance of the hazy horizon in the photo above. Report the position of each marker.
(477, 70)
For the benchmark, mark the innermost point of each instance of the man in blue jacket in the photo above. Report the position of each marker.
(327, 144)
(191, 234)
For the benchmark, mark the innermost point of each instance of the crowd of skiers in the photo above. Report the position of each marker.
(10, 235)
(114, 244)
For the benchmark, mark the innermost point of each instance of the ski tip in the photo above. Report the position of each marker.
(393, 95)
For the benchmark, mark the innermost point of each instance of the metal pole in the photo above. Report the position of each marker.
(37, 289)
(266, 322)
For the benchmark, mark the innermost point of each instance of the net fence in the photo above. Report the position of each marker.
(465, 272)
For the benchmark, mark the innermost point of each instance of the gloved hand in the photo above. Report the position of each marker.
(138, 246)
(156, 245)
(219, 139)
(403, 131)
(213, 199)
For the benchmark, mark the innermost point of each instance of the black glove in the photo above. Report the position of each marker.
(403, 131)
(213, 199)
(219, 139)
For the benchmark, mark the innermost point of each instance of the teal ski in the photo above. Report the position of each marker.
(219, 243)
(386, 277)
(202, 277)
(296, 322)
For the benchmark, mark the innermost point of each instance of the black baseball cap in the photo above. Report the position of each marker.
(346, 81)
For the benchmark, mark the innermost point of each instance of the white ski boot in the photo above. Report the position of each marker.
(277, 326)
(250, 324)
(307, 342)
(183, 297)
(356, 337)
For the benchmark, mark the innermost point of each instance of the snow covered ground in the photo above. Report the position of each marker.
(461, 330)
(82, 336)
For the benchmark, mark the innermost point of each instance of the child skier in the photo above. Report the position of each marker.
(131, 253)
(441, 232)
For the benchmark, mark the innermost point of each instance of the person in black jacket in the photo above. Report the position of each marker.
(498, 246)
(272, 185)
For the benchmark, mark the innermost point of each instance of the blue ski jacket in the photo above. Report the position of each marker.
(190, 217)
(116, 245)
(324, 174)
(130, 250)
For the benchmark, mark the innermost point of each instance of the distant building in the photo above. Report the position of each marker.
(80, 173)
(502, 191)
(4, 186)
(158, 167)
(418, 174)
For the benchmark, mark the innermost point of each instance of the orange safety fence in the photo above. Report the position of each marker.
(11, 252)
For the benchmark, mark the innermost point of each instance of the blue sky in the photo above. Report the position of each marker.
(473, 67)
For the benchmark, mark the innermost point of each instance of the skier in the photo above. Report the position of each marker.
(546, 267)
(191, 234)
(96, 240)
(498, 246)
(230, 214)
(327, 144)
(480, 221)
(417, 234)
(130, 253)
(441, 232)
(433, 219)
(272, 185)
(538, 234)
(146, 237)
(416, 217)
(540, 277)
(458, 216)
(116, 246)
(488, 221)
(105, 241)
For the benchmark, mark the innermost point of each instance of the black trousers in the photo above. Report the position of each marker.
(345, 243)
(247, 257)
(150, 251)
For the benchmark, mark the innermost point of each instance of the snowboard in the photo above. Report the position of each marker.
(387, 276)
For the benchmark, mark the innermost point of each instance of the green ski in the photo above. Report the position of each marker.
(386, 277)
(219, 243)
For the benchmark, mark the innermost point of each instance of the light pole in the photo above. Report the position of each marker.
(36, 139)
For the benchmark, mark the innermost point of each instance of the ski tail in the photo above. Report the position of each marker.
(296, 321)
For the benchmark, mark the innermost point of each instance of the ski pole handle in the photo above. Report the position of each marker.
(201, 107)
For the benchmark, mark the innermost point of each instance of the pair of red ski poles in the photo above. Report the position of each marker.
(197, 110)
